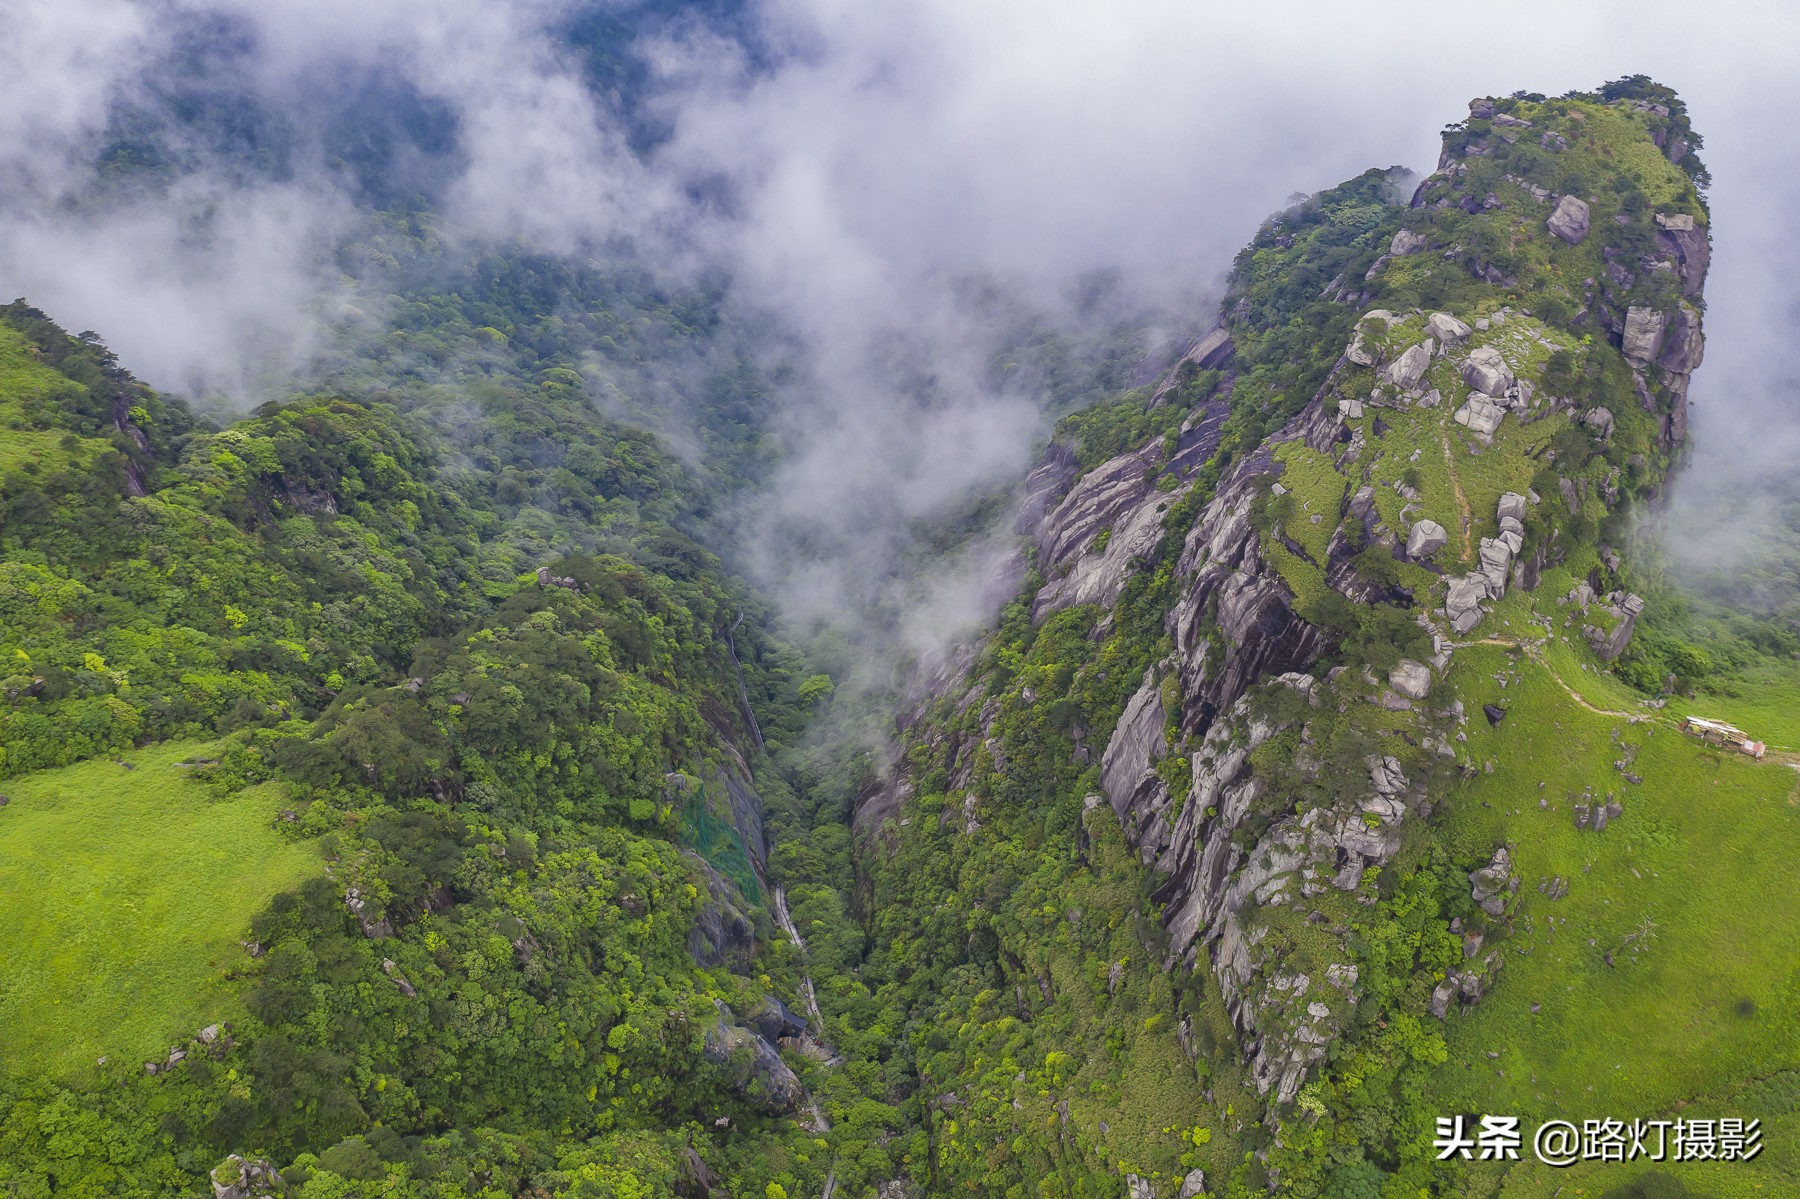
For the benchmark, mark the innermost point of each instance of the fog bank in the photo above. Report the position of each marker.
(852, 167)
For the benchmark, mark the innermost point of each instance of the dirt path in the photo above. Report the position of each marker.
(1462, 501)
(1537, 657)
(1773, 755)
(1580, 699)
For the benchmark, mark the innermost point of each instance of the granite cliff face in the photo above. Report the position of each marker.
(1515, 370)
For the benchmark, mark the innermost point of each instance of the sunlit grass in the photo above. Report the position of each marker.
(126, 893)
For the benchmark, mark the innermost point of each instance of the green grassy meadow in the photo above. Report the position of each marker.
(1666, 982)
(1686, 891)
(126, 894)
(1765, 703)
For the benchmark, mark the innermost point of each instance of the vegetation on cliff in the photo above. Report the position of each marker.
(443, 782)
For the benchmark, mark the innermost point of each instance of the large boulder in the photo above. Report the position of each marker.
(1427, 538)
(1496, 561)
(1488, 886)
(1359, 351)
(1643, 336)
(236, 1178)
(1486, 371)
(756, 1071)
(1462, 603)
(1407, 242)
(1411, 679)
(1409, 368)
(775, 1020)
(1512, 532)
(1512, 504)
(1570, 220)
(1481, 414)
(1446, 328)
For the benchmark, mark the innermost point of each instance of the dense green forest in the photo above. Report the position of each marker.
(463, 823)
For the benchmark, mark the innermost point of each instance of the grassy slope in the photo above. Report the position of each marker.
(1700, 1003)
(1707, 849)
(24, 379)
(1766, 705)
(126, 893)
(1703, 1007)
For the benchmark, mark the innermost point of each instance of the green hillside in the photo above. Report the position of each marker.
(452, 803)
(415, 731)
(1640, 971)
(128, 887)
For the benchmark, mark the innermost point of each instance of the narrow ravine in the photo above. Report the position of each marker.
(743, 691)
(809, 997)
(819, 1123)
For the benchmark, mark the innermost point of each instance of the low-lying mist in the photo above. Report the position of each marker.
(863, 176)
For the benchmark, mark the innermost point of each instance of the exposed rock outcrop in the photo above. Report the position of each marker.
(1464, 986)
(723, 933)
(1045, 488)
(1216, 883)
(1488, 886)
(1683, 347)
(390, 968)
(1570, 220)
(1258, 633)
(1464, 596)
(1486, 371)
(1257, 838)
(374, 927)
(1109, 500)
(1685, 241)
(1426, 538)
(755, 1069)
(1643, 336)
(1210, 351)
(1360, 351)
(1623, 610)
(240, 1178)
(1136, 792)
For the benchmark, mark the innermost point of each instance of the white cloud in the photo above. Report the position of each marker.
(890, 151)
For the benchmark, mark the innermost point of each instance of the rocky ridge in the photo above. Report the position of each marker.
(1241, 851)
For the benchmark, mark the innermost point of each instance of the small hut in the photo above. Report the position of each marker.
(1717, 732)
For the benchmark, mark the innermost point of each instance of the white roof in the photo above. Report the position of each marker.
(1720, 725)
